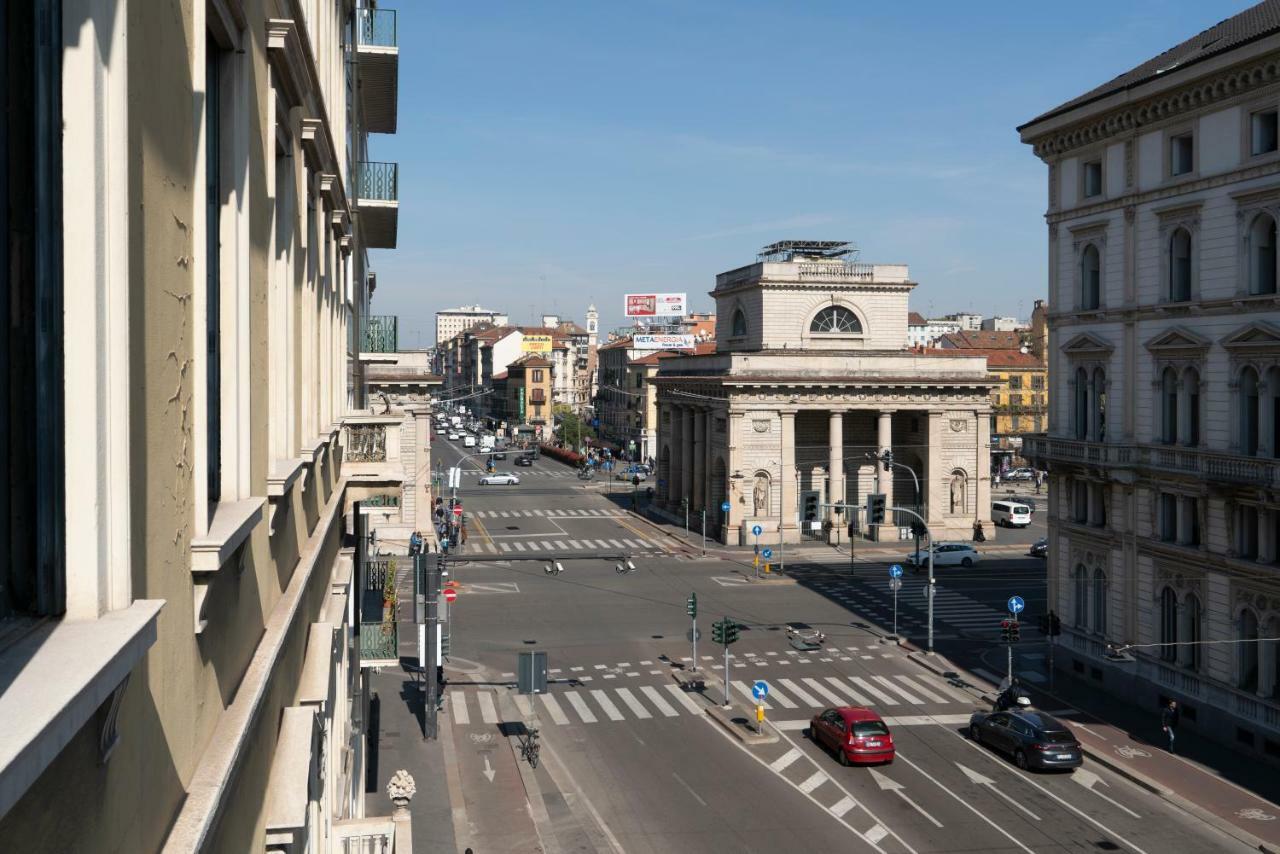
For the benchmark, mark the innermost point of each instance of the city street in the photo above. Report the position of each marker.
(632, 762)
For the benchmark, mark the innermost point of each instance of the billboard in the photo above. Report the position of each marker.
(655, 305)
(536, 344)
(663, 342)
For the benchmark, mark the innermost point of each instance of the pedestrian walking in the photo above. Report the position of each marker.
(1169, 721)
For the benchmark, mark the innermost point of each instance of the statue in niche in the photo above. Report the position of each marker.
(958, 502)
(760, 495)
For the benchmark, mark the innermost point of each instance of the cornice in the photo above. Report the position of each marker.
(288, 59)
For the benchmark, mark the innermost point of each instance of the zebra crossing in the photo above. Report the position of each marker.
(551, 544)
(552, 513)
(582, 704)
(874, 598)
(554, 474)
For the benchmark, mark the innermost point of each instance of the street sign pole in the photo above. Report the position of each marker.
(727, 701)
(695, 644)
(704, 532)
(1015, 604)
(1008, 647)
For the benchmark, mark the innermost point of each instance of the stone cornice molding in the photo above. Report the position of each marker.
(316, 145)
(1132, 118)
(288, 59)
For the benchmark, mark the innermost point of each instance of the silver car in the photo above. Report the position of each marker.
(503, 478)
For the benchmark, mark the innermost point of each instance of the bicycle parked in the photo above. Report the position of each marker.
(529, 747)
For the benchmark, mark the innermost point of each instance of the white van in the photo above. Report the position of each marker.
(1010, 514)
(468, 441)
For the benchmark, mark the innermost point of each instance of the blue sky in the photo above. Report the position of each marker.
(555, 153)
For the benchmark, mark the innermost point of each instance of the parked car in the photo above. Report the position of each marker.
(855, 733)
(641, 472)
(1040, 548)
(805, 632)
(453, 436)
(946, 554)
(502, 478)
(1010, 514)
(524, 460)
(1019, 474)
(498, 455)
(1034, 739)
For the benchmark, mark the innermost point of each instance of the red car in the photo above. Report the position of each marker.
(856, 734)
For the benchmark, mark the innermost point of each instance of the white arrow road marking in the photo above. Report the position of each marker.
(979, 780)
(965, 804)
(488, 770)
(887, 784)
(1088, 779)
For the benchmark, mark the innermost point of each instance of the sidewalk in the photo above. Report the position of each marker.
(1226, 789)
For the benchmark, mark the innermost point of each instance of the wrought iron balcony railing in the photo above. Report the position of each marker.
(379, 641)
(376, 27)
(380, 335)
(378, 182)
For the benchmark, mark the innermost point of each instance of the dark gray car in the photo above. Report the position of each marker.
(1034, 739)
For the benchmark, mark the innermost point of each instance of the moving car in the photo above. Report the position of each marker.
(1019, 474)
(855, 733)
(641, 472)
(502, 478)
(499, 455)
(805, 631)
(1010, 514)
(946, 554)
(1034, 739)
(523, 460)
(468, 441)
(453, 436)
(1040, 548)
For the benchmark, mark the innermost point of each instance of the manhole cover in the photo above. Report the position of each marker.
(513, 527)
(530, 642)
(656, 637)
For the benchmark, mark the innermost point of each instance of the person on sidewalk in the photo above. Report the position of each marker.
(1169, 721)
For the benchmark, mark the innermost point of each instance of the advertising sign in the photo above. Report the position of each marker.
(536, 344)
(663, 342)
(520, 398)
(655, 305)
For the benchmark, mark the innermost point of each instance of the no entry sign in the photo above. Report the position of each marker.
(457, 509)
(450, 595)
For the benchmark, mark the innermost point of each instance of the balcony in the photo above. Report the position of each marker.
(379, 334)
(377, 187)
(379, 64)
(380, 644)
(1208, 465)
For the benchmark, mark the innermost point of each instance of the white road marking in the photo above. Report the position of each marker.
(786, 759)
(801, 694)
(910, 698)
(981, 780)
(657, 700)
(821, 689)
(888, 784)
(557, 714)
(524, 705)
(488, 712)
(858, 699)
(683, 698)
(502, 513)
(637, 708)
(505, 547)
(1089, 780)
(781, 699)
(519, 546)
(964, 803)
(458, 705)
(616, 544)
(491, 547)
(605, 703)
(546, 544)
(814, 781)
(842, 806)
(876, 833)
(745, 689)
(920, 689)
(560, 546)
(580, 706)
(574, 544)
(528, 513)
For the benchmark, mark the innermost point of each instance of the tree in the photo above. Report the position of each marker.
(570, 427)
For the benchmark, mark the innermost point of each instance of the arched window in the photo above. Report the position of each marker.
(739, 323)
(1100, 601)
(1098, 394)
(1262, 255)
(1248, 414)
(836, 319)
(1082, 404)
(1191, 617)
(1180, 265)
(1168, 624)
(1080, 613)
(1090, 278)
(1169, 406)
(1190, 405)
(1247, 651)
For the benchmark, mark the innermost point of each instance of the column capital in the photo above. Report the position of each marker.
(788, 413)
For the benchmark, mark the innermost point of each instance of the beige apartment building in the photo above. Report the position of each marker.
(1164, 340)
(178, 666)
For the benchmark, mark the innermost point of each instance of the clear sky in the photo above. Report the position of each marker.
(559, 152)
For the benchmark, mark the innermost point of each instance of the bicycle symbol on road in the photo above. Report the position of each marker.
(1255, 814)
(1131, 752)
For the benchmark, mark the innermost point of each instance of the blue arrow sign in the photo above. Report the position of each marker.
(1016, 604)
(895, 571)
(756, 530)
(760, 689)
(766, 554)
(724, 507)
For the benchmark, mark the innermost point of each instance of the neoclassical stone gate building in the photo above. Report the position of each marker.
(811, 376)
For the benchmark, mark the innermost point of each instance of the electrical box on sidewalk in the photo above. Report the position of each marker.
(531, 673)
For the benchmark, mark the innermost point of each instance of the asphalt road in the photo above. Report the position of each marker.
(632, 763)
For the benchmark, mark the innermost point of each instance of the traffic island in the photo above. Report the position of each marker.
(740, 723)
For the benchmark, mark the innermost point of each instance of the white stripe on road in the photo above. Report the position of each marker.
(911, 698)
(785, 759)
(801, 694)
(502, 513)
(603, 544)
(505, 547)
(873, 691)
(821, 689)
(525, 706)
(842, 806)
(813, 782)
(657, 700)
(858, 699)
(683, 697)
(574, 544)
(557, 714)
(519, 546)
(546, 544)
(458, 704)
(580, 706)
(528, 513)
(560, 546)
(920, 689)
(616, 544)
(605, 703)
(540, 512)
(488, 712)
(780, 699)
(876, 833)
(633, 703)
(491, 547)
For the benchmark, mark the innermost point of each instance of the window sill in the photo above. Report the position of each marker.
(56, 679)
(233, 523)
(283, 475)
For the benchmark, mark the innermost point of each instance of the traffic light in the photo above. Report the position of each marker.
(1013, 631)
(1055, 625)
(717, 632)
(875, 508)
(1045, 624)
(691, 605)
(887, 459)
(1006, 630)
(730, 632)
(446, 645)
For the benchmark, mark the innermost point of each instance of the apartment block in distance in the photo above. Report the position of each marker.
(189, 208)
(1163, 444)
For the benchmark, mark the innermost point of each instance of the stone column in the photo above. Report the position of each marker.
(1266, 418)
(787, 522)
(982, 479)
(698, 494)
(884, 442)
(686, 456)
(675, 470)
(1266, 667)
(937, 477)
(835, 464)
(661, 492)
(739, 492)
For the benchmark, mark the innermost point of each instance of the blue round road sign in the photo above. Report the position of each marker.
(1016, 604)
(756, 530)
(766, 554)
(760, 689)
(895, 571)
(724, 507)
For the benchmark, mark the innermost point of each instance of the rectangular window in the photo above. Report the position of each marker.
(1093, 179)
(1168, 521)
(1037, 382)
(1015, 381)
(213, 278)
(1263, 131)
(537, 375)
(1247, 532)
(1181, 150)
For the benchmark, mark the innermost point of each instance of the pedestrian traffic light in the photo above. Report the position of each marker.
(1055, 625)
(1045, 624)
(1006, 630)
(717, 632)
(887, 459)
(691, 605)
(446, 645)
(875, 508)
(1014, 636)
(730, 632)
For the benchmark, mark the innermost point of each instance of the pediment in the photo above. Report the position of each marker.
(1252, 337)
(1178, 339)
(1087, 344)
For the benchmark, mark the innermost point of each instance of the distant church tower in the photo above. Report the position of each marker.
(593, 325)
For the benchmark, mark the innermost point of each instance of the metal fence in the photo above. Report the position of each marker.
(378, 182)
(376, 27)
(379, 641)
(380, 334)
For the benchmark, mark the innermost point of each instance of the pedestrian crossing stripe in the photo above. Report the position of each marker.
(506, 546)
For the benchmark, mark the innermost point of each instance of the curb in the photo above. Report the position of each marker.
(724, 718)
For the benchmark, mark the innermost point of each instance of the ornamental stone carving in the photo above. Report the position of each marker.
(959, 425)
(761, 425)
